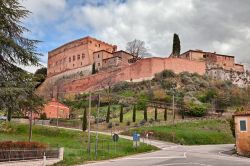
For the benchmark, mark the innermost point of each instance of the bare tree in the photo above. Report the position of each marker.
(137, 49)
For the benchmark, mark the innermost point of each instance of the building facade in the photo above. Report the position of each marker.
(242, 133)
(214, 60)
(75, 54)
(55, 109)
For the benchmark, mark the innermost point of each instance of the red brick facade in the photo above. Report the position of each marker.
(226, 62)
(75, 54)
(54, 109)
(143, 69)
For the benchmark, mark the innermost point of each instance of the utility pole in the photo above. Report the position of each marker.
(97, 121)
(89, 123)
(173, 110)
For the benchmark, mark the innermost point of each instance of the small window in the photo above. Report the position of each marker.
(81, 63)
(74, 58)
(98, 64)
(78, 57)
(69, 59)
(99, 45)
(83, 56)
(98, 55)
(243, 125)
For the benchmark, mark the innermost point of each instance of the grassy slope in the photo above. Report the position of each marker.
(75, 143)
(192, 133)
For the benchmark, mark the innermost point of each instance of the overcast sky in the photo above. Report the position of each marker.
(222, 26)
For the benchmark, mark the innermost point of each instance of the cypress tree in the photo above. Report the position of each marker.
(155, 113)
(108, 114)
(134, 113)
(84, 120)
(121, 114)
(165, 114)
(176, 46)
(145, 114)
(93, 69)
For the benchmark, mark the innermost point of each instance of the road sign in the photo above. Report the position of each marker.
(115, 137)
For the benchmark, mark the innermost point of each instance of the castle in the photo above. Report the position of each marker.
(71, 66)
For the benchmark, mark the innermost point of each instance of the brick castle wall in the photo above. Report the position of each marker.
(143, 69)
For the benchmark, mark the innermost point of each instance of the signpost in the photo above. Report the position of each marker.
(136, 139)
(115, 139)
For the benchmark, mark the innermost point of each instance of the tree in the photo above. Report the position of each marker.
(137, 49)
(93, 69)
(176, 46)
(40, 75)
(108, 114)
(84, 120)
(145, 114)
(165, 114)
(14, 47)
(156, 113)
(30, 103)
(134, 113)
(121, 114)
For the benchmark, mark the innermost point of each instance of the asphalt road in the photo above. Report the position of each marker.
(178, 155)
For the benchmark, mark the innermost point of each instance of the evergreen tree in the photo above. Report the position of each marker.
(176, 46)
(108, 114)
(165, 114)
(84, 120)
(121, 114)
(145, 114)
(14, 47)
(134, 113)
(156, 113)
(93, 69)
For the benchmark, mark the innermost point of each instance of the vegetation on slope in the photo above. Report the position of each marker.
(191, 133)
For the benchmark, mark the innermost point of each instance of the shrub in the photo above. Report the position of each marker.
(151, 120)
(120, 86)
(21, 145)
(142, 122)
(43, 116)
(110, 125)
(165, 74)
(232, 125)
(197, 110)
(128, 123)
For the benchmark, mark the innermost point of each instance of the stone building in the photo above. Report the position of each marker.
(242, 133)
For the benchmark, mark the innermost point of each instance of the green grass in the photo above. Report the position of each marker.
(74, 142)
(192, 133)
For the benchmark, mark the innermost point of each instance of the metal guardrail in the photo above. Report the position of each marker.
(20, 154)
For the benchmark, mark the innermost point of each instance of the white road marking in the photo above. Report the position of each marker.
(156, 157)
(183, 164)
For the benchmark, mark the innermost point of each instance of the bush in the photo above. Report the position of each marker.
(43, 116)
(21, 145)
(142, 122)
(197, 110)
(232, 125)
(120, 86)
(128, 123)
(165, 74)
(110, 125)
